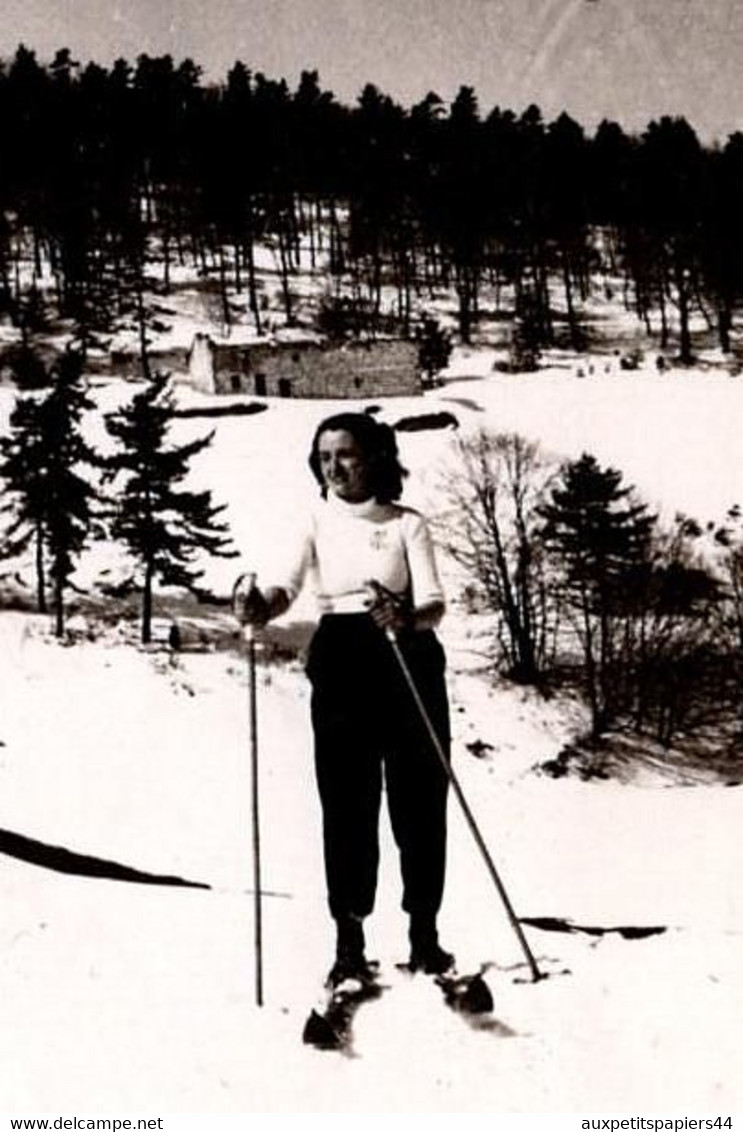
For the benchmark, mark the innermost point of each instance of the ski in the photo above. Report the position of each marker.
(330, 1026)
(467, 994)
(471, 999)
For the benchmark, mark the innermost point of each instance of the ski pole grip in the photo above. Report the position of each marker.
(373, 590)
(249, 628)
(245, 584)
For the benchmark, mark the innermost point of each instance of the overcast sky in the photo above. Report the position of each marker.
(627, 59)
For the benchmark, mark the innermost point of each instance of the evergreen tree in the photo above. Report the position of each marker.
(23, 467)
(722, 243)
(566, 160)
(671, 189)
(70, 494)
(164, 528)
(463, 204)
(526, 333)
(599, 536)
(50, 500)
(434, 348)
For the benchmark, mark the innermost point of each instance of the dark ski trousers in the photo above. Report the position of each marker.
(368, 729)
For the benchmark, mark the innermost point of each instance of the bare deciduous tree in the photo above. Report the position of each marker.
(494, 491)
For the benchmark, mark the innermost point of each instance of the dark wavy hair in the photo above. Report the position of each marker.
(379, 445)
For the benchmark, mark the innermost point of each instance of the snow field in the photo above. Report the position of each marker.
(121, 996)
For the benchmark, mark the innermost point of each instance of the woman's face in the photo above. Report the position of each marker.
(343, 465)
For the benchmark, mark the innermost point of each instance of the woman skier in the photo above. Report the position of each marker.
(372, 566)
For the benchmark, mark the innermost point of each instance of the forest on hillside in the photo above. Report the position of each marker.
(120, 186)
(105, 172)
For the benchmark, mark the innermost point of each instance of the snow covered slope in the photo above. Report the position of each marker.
(139, 996)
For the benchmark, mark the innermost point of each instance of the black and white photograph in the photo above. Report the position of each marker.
(371, 560)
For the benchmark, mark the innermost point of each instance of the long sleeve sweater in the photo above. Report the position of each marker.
(347, 545)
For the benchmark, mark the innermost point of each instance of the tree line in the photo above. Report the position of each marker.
(106, 171)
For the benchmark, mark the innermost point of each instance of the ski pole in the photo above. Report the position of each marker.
(469, 817)
(255, 817)
(249, 636)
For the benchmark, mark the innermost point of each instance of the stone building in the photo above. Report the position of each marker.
(126, 362)
(305, 367)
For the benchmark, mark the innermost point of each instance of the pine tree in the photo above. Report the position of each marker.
(599, 536)
(164, 528)
(23, 467)
(50, 499)
(43, 461)
(527, 335)
(70, 494)
(434, 348)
